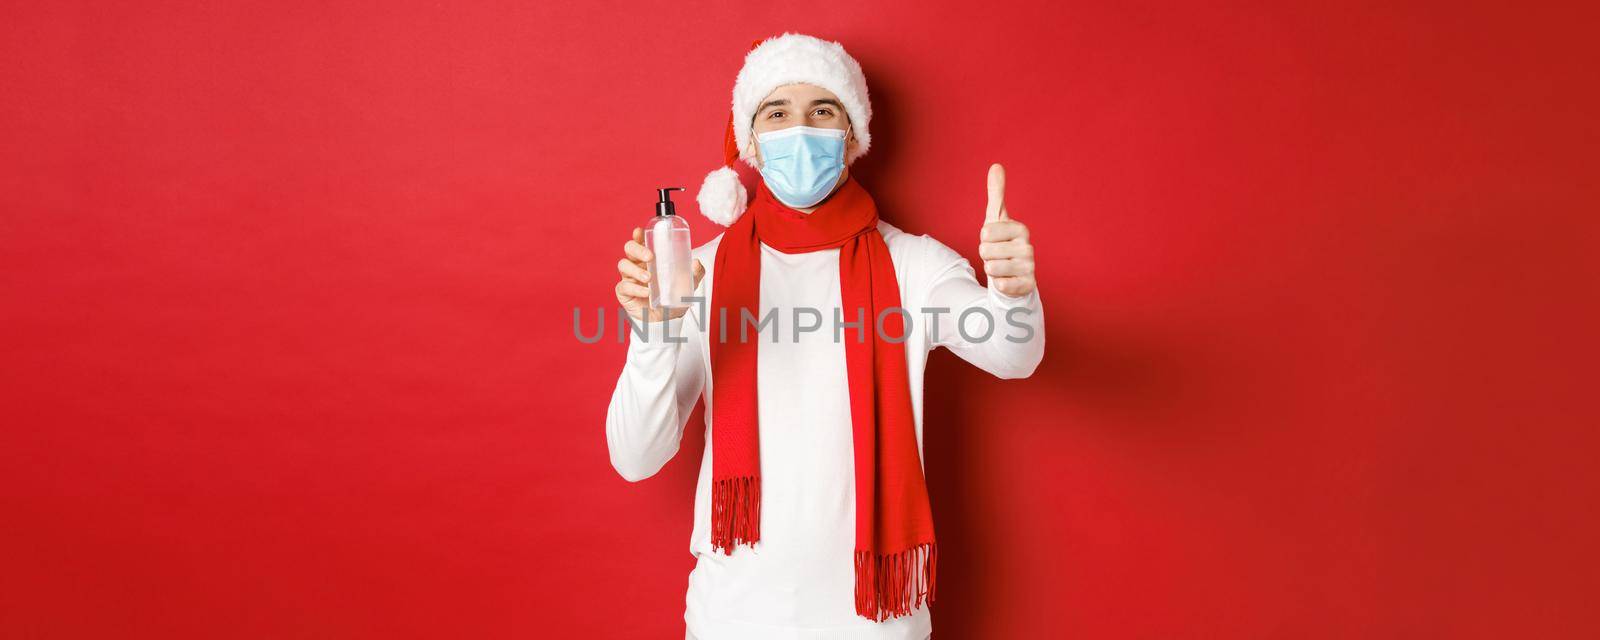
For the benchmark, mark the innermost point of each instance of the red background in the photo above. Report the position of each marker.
(287, 334)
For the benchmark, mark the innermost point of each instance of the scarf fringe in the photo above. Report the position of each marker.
(735, 512)
(892, 585)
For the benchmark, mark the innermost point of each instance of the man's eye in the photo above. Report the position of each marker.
(774, 114)
(826, 111)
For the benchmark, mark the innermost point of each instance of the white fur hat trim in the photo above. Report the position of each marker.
(722, 196)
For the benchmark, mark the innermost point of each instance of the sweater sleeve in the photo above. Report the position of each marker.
(657, 390)
(1000, 334)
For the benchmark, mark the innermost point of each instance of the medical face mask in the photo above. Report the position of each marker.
(800, 164)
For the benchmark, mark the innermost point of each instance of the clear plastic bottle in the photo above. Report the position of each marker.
(671, 272)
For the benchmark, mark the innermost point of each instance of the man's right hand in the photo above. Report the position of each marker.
(633, 290)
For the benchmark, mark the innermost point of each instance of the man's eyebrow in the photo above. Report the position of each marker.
(784, 102)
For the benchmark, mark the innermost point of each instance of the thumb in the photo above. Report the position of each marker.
(997, 194)
(699, 272)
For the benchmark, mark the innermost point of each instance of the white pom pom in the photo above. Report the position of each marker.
(722, 197)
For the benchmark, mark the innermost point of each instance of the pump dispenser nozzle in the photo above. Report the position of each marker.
(665, 206)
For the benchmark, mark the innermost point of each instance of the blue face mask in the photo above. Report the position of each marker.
(801, 164)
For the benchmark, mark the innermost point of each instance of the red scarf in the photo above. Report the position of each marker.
(895, 551)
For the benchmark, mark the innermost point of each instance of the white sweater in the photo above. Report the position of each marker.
(798, 582)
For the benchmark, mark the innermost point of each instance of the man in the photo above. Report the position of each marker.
(811, 513)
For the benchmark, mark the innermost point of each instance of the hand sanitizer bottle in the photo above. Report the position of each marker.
(671, 272)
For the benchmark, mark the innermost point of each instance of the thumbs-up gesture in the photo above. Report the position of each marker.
(1003, 243)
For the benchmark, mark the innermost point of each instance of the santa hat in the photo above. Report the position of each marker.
(771, 63)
